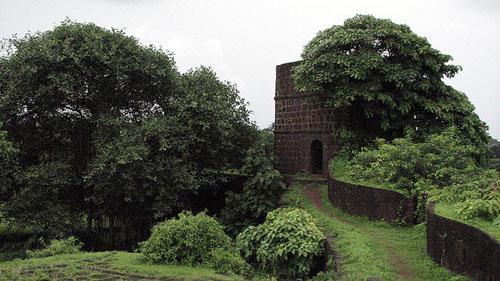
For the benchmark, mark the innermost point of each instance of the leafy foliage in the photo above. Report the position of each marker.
(224, 261)
(383, 80)
(41, 203)
(442, 166)
(70, 245)
(8, 164)
(217, 119)
(285, 244)
(141, 169)
(192, 240)
(475, 197)
(107, 126)
(261, 192)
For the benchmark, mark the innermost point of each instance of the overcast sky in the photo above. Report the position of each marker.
(243, 41)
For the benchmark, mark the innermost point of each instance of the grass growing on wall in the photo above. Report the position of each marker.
(448, 211)
(372, 249)
(338, 170)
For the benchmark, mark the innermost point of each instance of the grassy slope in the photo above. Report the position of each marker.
(365, 247)
(448, 211)
(339, 172)
(115, 265)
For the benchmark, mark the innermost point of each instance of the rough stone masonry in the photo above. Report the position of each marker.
(303, 128)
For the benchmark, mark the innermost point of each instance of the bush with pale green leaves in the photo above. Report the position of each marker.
(285, 245)
(193, 240)
(262, 190)
(441, 165)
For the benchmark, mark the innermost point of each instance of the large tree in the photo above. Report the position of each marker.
(105, 124)
(157, 166)
(383, 80)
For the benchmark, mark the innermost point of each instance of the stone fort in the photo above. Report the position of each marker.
(303, 128)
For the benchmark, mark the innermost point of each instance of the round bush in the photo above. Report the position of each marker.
(285, 244)
(189, 239)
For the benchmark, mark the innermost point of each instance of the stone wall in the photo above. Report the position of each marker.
(374, 203)
(462, 248)
(300, 118)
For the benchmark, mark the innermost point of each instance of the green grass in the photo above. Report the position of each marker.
(93, 266)
(449, 211)
(338, 170)
(368, 249)
(360, 257)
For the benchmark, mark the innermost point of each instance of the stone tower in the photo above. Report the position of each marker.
(303, 128)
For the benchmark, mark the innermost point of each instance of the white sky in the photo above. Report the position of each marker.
(243, 41)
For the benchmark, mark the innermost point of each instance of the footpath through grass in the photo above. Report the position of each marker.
(103, 266)
(370, 249)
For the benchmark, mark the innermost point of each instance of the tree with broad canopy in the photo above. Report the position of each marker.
(106, 126)
(383, 80)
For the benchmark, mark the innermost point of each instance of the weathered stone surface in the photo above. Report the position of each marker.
(462, 248)
(374, 203)
(300, 118)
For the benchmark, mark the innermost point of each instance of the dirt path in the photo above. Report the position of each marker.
(398, 262)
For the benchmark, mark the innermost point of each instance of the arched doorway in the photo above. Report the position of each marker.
(316, 157)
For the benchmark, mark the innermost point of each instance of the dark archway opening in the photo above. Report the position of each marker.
(316, 157)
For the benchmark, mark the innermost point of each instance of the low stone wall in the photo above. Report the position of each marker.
(462, 248)
(374, 203)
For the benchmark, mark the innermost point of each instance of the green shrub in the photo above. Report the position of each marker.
(192, 240)
(441, 166)
(284, 245)
(70, 245)
(226, 261)
(477, 198)
(261, 192)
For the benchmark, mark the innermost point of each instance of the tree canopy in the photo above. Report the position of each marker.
(105, 124)
(8, 163)
(383, 80)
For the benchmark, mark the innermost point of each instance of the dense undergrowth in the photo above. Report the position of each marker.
(193, 240)
(441, 167)
(285, 245)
